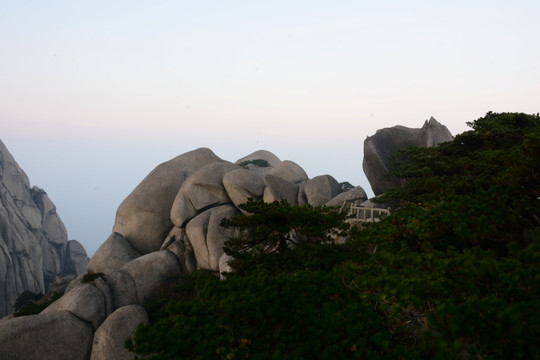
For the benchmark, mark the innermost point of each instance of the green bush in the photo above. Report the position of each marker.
(481, 189)
(90, 277)
(36, 307)
(256, 162)
(24, 299)
(274, 229)
(309, 315)
(452, 273)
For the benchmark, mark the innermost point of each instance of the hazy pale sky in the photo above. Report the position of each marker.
(94, 94)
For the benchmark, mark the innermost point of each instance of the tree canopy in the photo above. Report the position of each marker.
(454, 274)
(483, 188)
(271, 230)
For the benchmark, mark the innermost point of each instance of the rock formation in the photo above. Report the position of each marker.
(34, 248)
(379, 148)
(168, 225)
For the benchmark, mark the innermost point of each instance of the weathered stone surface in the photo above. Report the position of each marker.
(149, 270)
(321, 189)
(137, 280)
(250, 162)
(379, 148)
(289, 171)
(61, 284)
(86, 302)
(112, 254)
(74, 283)
(52, 227)
(302, 199)
(109, 338)
(21, 256)
(143, 218)
(47, 336)
(355, 194)
(267, 156)
(207, 236)
(122, 287)
(277, 188)
(105, 290)
(33, 239)
(202, 190)
(433, 133)
(16, 183)
(178, 243)
(76, 260)
(242, 184)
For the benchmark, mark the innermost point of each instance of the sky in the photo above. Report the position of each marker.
(95, 94)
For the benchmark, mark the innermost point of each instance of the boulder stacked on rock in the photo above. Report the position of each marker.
(34, 247)
(180, 204)
(379, 148)
(168, 225)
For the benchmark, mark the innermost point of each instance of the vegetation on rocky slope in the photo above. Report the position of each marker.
(452, 273)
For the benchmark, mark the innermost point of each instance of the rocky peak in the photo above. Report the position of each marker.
(379, 148)
(35, 250)
(433, 133)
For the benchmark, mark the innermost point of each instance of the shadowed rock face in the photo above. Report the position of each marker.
(168, 225)
(34, 249)
(379, 148)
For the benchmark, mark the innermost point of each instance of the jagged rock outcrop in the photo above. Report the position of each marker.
(197, 190)
(34, 247)
(379, 148)
(170, 225)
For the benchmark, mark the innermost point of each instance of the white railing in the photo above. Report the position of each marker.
(367, 213)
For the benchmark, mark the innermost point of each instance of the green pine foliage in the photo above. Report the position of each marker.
(482, 189)
(452, 273)
(24, 299)
(90, 277)
(256, 162)
(25, 305)
(272, 230)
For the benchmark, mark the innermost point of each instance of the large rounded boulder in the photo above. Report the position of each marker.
(321, 189)
(207, 237)
(202, 190)
(379, 148)
(264, 155)
(46, 336)
(289, 171)
(112, 254)
(109, 338)
(243, 184)
(356, 195)
(144, 217)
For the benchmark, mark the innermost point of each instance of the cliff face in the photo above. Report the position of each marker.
(34, 249)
